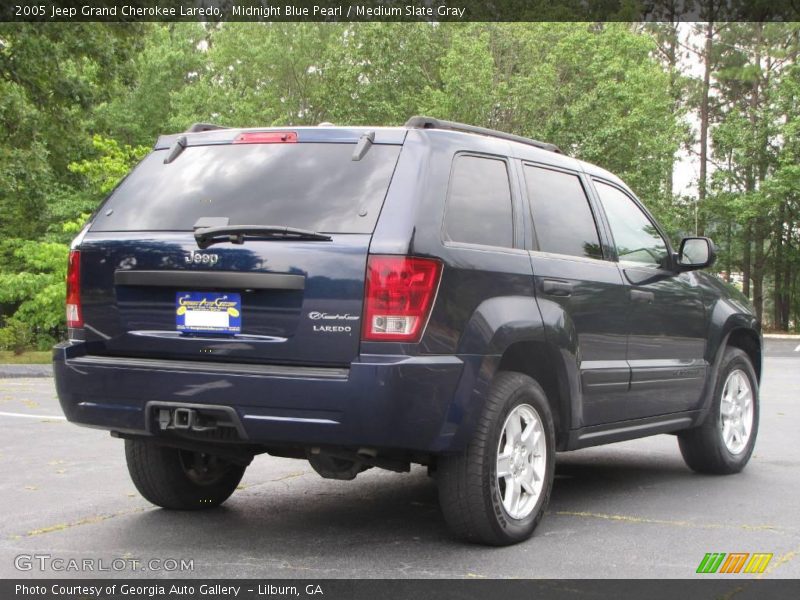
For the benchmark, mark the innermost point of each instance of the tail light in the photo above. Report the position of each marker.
(398, 297)
(74, 312)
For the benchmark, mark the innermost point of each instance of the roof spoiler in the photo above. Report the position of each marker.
(198, 127)
(432, 123)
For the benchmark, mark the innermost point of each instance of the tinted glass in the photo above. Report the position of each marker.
(310, 186)
(479, 205)
(635, 236)
(562, 217)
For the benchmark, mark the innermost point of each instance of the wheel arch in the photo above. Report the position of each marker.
(733, 323)
(750, 342)
(542, 362)
(739, 331)
(512, 334)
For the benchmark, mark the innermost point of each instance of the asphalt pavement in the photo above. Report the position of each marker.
(627, 510)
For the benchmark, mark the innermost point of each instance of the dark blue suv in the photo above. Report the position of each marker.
(365, 297)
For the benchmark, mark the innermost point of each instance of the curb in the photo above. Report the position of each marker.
(15, 371)
(782, 336)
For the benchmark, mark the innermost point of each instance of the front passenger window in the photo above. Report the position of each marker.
(562, 218)
(635, 236)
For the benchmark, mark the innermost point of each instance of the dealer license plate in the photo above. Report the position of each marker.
(208, 312)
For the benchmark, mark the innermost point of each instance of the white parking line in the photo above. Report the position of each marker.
(798, 348)
(24, 416)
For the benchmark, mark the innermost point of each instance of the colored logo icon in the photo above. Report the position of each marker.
(735, 562)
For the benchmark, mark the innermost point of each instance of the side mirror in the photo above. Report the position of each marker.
(696, 253)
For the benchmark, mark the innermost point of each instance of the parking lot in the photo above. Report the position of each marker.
(625, 510)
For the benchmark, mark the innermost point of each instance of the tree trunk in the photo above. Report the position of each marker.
(794, 301)
(787, 305)
(704, 117)
(674, 84)
(729, 254)
(778, 293)
(747, 257)
(759, 262)
(760, 90)
(788, 223)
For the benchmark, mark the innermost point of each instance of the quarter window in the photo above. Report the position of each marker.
(635, 235)
(479, 205)
(562, 217)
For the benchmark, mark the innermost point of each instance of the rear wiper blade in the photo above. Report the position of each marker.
(237, 234)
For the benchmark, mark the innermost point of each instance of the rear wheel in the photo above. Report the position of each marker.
(180, 479)
(724, 443)
(496, 491)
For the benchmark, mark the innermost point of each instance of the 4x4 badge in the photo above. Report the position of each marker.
(205, 258)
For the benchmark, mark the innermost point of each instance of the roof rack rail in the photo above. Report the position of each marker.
(432, 123)
(198, 127)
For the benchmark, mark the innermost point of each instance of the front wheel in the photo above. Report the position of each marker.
(180, 479)
(496, 491)
(724, 443)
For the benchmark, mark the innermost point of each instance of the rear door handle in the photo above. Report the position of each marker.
(642, 296)
(556, 288)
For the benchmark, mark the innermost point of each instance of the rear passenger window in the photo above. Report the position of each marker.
(562, 217)
(479, 205)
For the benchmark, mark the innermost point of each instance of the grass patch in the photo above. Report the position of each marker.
(43, 357)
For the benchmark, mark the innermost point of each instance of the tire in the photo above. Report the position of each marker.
(180, 479)
(474, 500)
(705, 448)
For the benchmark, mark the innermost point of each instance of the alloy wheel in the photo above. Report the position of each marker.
(521, 461)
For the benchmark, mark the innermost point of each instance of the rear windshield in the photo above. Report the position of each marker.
(305, 185)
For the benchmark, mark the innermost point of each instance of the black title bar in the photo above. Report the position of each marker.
(399, 10)
(740, 587)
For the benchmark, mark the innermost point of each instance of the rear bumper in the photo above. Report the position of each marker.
(409, 403)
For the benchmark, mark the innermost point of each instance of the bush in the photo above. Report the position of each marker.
(16, 336)
(36, 290)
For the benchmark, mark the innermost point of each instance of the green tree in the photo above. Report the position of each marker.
(750, 144)
(52, 75)
(259, 73)
(598, 92)
(140, 106)
(37, 291)
(33, 273)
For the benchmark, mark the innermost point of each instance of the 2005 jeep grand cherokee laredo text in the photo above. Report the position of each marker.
(364, 297)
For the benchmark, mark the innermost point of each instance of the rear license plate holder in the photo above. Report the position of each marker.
(208, 312)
